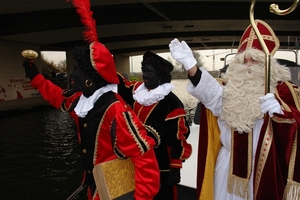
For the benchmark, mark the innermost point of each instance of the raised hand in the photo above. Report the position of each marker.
(182, 53)
(31, 69)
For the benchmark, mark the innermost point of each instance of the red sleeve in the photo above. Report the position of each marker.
(180, 149)
(50, 92)
(133, 142)
(53, 94)
(146, 176)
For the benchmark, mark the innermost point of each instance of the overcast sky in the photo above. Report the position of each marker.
(213, 62)
(206, 55)
(54, 56)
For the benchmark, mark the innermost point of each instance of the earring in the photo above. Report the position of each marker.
(88, 83)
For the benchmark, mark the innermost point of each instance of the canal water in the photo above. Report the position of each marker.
(39, 156)
(39, 153)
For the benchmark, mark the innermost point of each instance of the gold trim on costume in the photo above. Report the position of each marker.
(295, 93)
(95, 158)
(292, 189)
(177, 116)
(91, 56)
(283, 120)
(237, 185)
(263, 155)
(64, 108)
(177, 165)
(134, 131)
(154, 133)
(148, 114)
(283, 104)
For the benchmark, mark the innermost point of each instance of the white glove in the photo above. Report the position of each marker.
(268, 103)
(182, 53)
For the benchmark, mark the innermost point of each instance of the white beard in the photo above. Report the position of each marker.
(244, 86)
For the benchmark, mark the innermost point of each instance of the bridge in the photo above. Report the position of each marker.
(127, 28)
(130, 27)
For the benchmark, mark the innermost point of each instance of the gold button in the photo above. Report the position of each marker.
(83, 150)
(84, 125)
(89, 171)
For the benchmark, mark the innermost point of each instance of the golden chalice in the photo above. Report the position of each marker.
(29, 54)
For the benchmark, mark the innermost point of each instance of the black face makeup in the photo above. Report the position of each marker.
(77, 79)
(150, 77)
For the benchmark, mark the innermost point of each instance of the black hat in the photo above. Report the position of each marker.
(148, 56)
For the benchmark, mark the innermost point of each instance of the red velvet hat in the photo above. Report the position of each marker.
(102, 60)
(250, 40)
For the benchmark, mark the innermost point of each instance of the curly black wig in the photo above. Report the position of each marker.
(82, 57)
(162, 66)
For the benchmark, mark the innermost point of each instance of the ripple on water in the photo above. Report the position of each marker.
(39, 156)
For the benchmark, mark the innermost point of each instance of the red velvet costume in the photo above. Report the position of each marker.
(95, 137)
(167, 116)
(278, 163)
(277, 156)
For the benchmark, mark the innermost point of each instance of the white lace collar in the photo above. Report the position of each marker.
(148, 97)
(84, 104)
